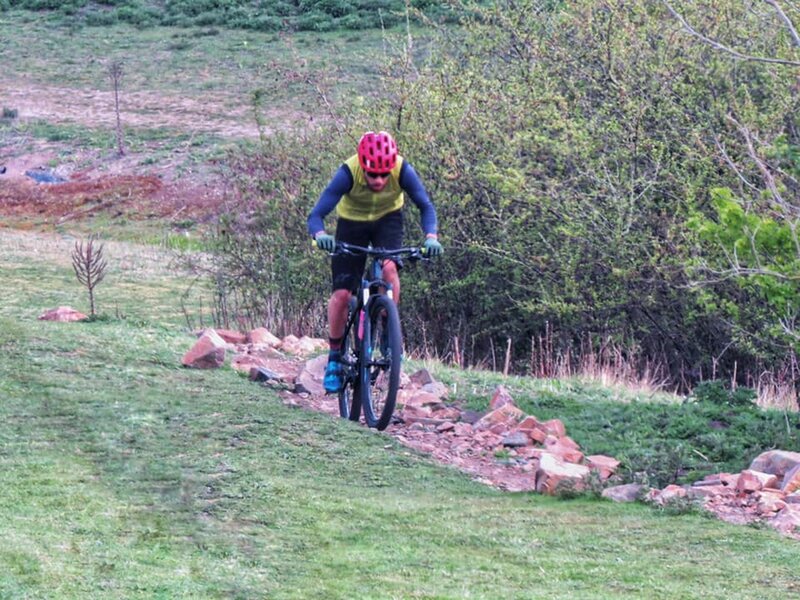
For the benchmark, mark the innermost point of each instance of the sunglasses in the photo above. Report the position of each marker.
(373, 175)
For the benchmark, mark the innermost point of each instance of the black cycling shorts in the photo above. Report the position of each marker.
(386, 232)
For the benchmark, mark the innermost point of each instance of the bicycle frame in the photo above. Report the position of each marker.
(361, 368)
(374, 283)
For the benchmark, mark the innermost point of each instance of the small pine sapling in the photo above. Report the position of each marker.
(90, 267)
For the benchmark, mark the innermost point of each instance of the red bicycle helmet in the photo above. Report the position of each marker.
(377, 152)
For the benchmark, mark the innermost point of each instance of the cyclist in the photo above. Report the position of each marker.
(368, 194)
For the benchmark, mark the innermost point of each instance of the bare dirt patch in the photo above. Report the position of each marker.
(138, 185)
(217, 113)
(135, 197)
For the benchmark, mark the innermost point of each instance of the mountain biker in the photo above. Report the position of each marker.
(368, 194)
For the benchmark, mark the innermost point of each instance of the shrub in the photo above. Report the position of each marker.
(101, 18)
(716, 392)
(315, 21)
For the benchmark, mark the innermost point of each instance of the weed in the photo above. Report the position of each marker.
(179, 45)
(502, 455)
(681, 505)
(10, 113)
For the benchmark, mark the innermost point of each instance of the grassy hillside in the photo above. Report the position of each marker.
(126, 476)
(204, 73)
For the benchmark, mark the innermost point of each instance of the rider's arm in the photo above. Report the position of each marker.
(411, 184)
(341, 183)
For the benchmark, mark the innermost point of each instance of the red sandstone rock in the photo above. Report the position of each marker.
(777, 462)
(605, 466)
(751, 481)
(501, 397)
(627, 492)
(262, 337)
(563, 450)
(555, 474)
(63, 314)
(791, 481)
(554, 427)
(670, 493)
(232, 337)
(207, 353)
(507, 414)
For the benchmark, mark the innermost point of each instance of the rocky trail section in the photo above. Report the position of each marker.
(504, 447)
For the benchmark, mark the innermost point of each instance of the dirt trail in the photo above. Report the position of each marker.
(218, 113)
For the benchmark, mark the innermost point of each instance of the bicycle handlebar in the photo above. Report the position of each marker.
(411, 253)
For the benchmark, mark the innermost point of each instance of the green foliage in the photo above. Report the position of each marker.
(266, 271)
(757, 250)
(567, 146)
(716, 392)
(559, 186)
(270, 15)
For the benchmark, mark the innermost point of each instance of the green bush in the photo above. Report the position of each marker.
(101, 19)
(566, 149)
(312, 15)
(315, 21)
(716, 392)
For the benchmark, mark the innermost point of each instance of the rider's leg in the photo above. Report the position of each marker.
(345, 274)
(392, 277)
(337, 316)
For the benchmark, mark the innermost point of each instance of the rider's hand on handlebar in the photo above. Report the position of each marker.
(325, 242)
(432, 247)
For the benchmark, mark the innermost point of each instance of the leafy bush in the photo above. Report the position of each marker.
(716, 392)
(564, 193)
(101, 19)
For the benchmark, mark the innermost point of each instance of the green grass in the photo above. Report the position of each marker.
(182, 62)
(157, 143)
(126, 476)
(659, 438)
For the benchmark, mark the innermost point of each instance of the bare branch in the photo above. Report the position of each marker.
(785, 18)
(733, 165)
(724, 48)
(769, 179)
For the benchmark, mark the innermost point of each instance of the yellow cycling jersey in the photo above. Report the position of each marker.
(361, 203)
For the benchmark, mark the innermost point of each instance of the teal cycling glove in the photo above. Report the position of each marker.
(326, 242)
(433, 247)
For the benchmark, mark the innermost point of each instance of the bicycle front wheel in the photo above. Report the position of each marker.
(381, 358)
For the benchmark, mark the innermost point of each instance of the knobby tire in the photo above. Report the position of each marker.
(379, 377)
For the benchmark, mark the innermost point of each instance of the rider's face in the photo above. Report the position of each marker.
(376, 181)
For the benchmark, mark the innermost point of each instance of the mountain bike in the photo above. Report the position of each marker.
(372, 346)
